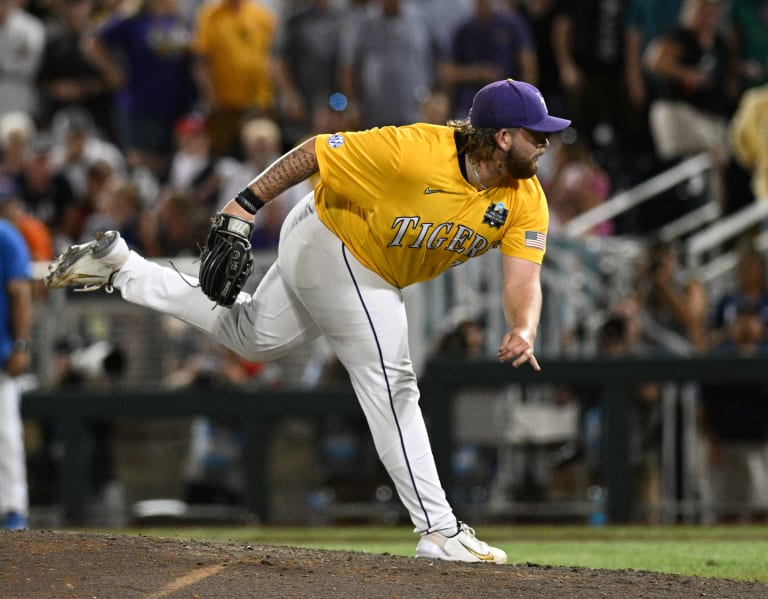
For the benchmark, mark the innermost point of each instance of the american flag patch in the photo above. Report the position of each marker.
(534, 239)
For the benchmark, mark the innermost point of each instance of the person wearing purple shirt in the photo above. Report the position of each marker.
(146, 57)
(490, 45)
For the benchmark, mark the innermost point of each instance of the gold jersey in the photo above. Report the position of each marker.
(396, 196)
(236, 41)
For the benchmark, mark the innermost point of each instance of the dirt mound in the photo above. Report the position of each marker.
(48, 565)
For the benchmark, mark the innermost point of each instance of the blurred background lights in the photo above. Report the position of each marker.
(338, 101)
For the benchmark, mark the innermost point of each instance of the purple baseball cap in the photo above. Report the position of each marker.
(509, 103)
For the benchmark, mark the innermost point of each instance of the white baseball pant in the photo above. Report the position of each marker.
(13, 468)
(316, 287)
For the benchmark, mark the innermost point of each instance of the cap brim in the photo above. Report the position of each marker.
(549, 124)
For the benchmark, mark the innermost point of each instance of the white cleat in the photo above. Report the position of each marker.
(90, 265)
(464, 546)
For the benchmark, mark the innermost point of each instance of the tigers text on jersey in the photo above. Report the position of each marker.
(397, 198)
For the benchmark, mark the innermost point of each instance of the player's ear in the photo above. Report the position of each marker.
(504, 139)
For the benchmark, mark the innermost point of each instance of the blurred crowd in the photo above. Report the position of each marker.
(147, 115)
(128, 114)
(545, 442)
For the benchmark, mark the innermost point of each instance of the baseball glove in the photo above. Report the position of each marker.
(226, 260)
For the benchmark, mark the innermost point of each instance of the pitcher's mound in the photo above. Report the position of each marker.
(41, 564)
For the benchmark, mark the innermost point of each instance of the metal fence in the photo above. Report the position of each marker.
(683, 498)
(517, 422)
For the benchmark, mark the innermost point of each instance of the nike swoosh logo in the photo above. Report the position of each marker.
(486, 557)
(429, 190)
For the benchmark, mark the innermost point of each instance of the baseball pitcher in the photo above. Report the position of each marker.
(394, 206)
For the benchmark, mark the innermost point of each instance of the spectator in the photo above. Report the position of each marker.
(116, 204)
(748, 139)
(193, 165)
(217, 366)
(749, 30)
(67, 78)
(751, 287)
(465, 340)
(136, 223)
(22, 37)
(491, 44)
(644, 20)
(695, 66)
(34, 232)
(445, 16)
(540, 15)
(736, 423)
(15, 330)
(308, 53)
(180, 236)
(697, 84)
(589, 51)
(140, 54)
(78, 146)
(673, 306)
(578, 185)
(233, 66)
(16, 130)
(388, 65)
(354, 14)
(262, 144)
(48, 195)
(100, 183)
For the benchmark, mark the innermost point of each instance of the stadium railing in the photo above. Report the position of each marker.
(441, 381)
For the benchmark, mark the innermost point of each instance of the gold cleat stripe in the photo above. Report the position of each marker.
(486, 557)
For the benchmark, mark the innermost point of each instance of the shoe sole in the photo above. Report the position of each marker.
(59, 275)
(433, 551)
(448, 558)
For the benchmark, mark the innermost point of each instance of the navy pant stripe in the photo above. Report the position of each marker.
(389, 389)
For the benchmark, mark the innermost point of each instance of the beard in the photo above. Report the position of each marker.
(519, 167)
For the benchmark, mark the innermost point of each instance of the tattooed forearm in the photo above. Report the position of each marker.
(292, 168)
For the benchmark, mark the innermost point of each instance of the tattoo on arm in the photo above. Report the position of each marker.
(288, 170)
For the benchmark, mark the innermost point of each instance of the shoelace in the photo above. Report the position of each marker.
(463, 527)
(466, 528)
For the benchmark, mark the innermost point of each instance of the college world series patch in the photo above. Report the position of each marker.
(495, 215)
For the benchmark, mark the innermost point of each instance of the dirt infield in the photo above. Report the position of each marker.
(48, 565)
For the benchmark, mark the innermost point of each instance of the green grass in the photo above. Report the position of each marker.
(736, 552)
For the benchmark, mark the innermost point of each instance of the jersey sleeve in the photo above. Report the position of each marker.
(359, 166)
(526, 236)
